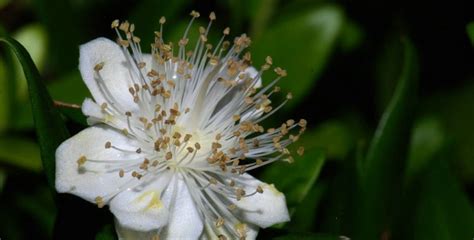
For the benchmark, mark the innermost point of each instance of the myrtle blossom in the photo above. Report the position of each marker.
(172, 135)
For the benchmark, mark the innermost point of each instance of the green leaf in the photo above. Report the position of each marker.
(106, 233)
(146, 18)
(309, 236)
(427, 140)
(444, 211)
(21, 153)
(70, 89)
(304, 217)
(296, 180)
(302, 45)
(470, 31)
(61, 19)
(8, 96)
(380, 173)
(50, 128)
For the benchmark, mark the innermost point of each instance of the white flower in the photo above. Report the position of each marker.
(172, 136)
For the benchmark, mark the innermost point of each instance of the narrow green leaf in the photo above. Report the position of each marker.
(50, 128)
(8, 108)
(470, 31)
(380, 174)
(302, 45)
(21, 153)
(296, 180)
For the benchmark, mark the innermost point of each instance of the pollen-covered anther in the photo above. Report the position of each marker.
(281, 72)
(302, 123)
(197, 146)
(99, 66)
(194, 14)
(99, 201)
(239, 193)
(221, 237)
(81, 161)
(162, 20)
(168, 156)
(241, 229)
(259, 189)
(108, 145)
(300, 151)
(220, 222)
(115, 23)
(289, 96)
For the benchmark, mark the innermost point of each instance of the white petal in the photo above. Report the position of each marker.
(185, 221)
(91, 179)
(112, 82)
(124, 233)
(141, 208)
(262, 209)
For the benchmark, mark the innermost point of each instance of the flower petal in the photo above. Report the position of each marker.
(262, 209)
(124, 233)
(92, 179)
(141, 208)
(110, 84)
(185, 221)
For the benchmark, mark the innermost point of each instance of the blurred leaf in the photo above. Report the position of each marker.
(34, 38)
(426, 140)
(439, 208)
(60, 20)
(336, 137)
(39, 206)
(295, 180)
(351, 36)
(470, 31)
(302, 45)
(7, 96)
(3, 179)
(304, 217)
(380, 173)
(69, 88)
(21, 153)
(106, 233)
(260, 12)
(309, 236)
(146, 19)
(50, 128)
(454, 109)
(388, 63)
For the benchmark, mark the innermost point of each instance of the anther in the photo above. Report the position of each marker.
(115, 23)
(81, 161)
(162, 20)
(121, 173)
(108, 145)
(300, 151)
(168, 156)
(197, 146)
(219, 222)
(212, 16)
(194, 14)
(99, 66)
(99, 201)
